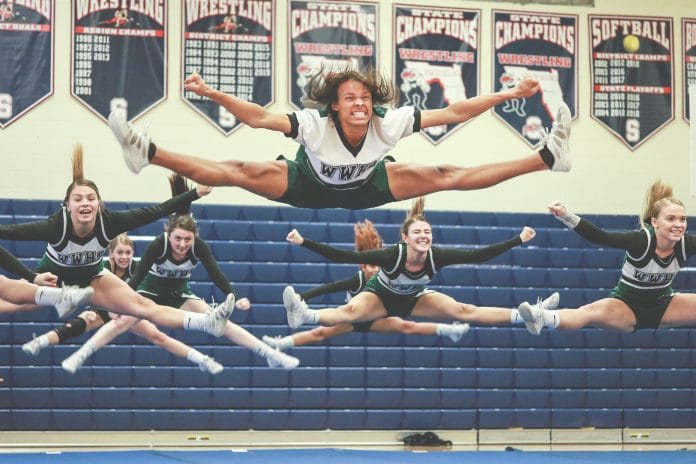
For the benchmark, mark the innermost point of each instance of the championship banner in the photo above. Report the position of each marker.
(329, 35)
(230, 44)
(632, 75)
(119, 55)
(26, 54)
(689, 61)
(542, 46)
(437, 59)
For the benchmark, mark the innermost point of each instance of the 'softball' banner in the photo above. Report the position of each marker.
(119, 55)
(542, 46)
(26, 54)
(329, 36)
(230, 44)
(689, 61)
(632, 75)
(437, 59)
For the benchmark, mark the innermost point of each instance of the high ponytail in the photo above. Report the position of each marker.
(657, 197)
(416, 213)
(78, 174)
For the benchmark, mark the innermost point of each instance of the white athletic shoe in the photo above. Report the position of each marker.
(72, 296)
(458, 331)
(274, 342)
(551, 302)
(210, 365)
(294, 307)
(276, 358)
(73, 362)
(533, 317)
(134, 144)
(32, 347)
(217, 319)
(557, 139)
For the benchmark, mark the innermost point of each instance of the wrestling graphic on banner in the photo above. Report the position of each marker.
(230, 44)
(437, 59)
(119, 56)
(543, 46)
(329, 35)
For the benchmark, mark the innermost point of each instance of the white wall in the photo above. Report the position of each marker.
(606, 176)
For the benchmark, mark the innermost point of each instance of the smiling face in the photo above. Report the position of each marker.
(121, 255)
(353, 105)
(181, 241)
(419, 236)
(83, 205)
(670, 223)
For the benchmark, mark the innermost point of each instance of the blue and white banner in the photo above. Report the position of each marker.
(437, 59)
(26, 54)
(329, 35)
(119, 55)
(542, 46)
(632, 75)
(688, 62)
(230, 44)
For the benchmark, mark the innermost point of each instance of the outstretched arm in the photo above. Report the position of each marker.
(447, 256)
(249, 113)
(463, 110)
(381, 257)
(351, 283)
(634, 242)
(123, 221)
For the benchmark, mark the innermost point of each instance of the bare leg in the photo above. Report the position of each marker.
(607, 313)
(408, 180)
(396, 324)
(151, 333)
(242, 337)
(439, 306)
(680, 311)
(363, 307)
(8, 308)
(115, 295)
(266, 178)
(17, 291)
(320, 334)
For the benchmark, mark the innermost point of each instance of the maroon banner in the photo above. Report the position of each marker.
(231, 45)
(26, 54)
(542, 46)
(437, 59)
(688, 61)
(632, 75)
(329, 35)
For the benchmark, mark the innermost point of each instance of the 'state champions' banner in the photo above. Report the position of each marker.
(119, 55)
(542, 46)
(689, 61)
(437, 59)
(632, 76)
(329, 35)
(26, 54)
(230, 44)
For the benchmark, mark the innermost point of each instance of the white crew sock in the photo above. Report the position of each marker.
(444, 330)
(552, 319)
(515, 317)
(195, 321)
(42, 340)
(195, 356)
(47, 296)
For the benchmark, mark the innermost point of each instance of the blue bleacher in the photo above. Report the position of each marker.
(493, 377)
